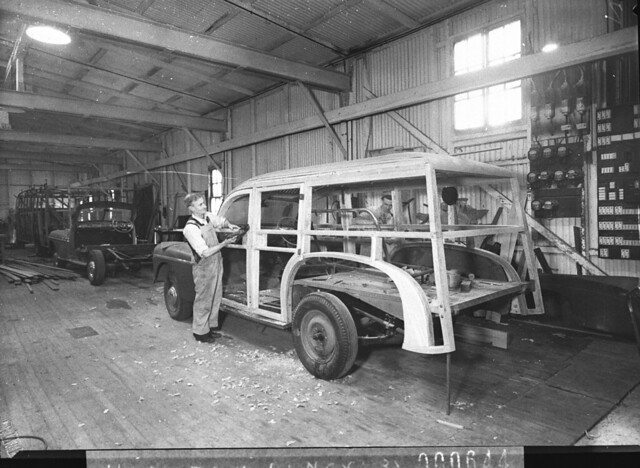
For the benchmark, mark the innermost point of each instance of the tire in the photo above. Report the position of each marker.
(96, 268)
(177, 306)
(324, 335)
(57, 262)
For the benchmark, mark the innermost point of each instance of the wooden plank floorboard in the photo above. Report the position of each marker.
(56, 378)
(38, 412)
(164, 390)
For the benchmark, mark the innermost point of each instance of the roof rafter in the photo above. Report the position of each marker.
(40, 73)
(12, 154)
(619, 42)
(92, 109)
(71, 140)
(135, 29)
(92, 65)
(177, 68)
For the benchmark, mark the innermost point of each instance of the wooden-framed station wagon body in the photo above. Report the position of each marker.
(317, 261)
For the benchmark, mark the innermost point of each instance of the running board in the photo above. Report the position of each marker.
(255, 318)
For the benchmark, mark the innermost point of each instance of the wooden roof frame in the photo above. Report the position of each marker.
(140, 31)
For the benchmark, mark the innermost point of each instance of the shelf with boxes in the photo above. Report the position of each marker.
(618, 172)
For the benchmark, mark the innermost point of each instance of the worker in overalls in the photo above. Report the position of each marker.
(200, 233)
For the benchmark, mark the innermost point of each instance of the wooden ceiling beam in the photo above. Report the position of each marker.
(71, 140)
(40, 73)
(31, 167)
(92, 109)
(138, 30)
(92, 155)
(154, 60)
(15, 157)
(19, 49)
(125, 74)
(596, 48)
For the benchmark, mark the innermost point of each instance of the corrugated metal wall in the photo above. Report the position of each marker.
(411, 61)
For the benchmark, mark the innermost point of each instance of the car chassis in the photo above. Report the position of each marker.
(101, 238)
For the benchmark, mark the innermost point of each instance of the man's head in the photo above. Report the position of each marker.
(195, 203)
(387, 203)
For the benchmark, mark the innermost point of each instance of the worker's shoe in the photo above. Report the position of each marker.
(206, 338)
(215, 332)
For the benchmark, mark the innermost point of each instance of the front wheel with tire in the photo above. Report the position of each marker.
(178, 307)
(96, 268)
(324, 335)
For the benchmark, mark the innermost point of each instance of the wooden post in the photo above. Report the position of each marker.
(132, 156)
(409, 127)
(205, 153)
(439, 261)
(314, 102)
(527, 248)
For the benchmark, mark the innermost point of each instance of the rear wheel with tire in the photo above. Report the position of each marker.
(178, 307)
(324, 335)
(96, 268)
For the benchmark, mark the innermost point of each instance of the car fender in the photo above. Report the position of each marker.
(418, 323)
(176, 257)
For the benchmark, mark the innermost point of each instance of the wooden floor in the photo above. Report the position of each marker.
(106, 368)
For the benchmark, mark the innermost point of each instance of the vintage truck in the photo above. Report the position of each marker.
(101, 237)
(316, 260)
(43, 209)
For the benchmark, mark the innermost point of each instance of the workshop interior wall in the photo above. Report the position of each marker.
(420, 58)
(14, 181)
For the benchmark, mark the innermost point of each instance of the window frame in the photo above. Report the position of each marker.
(215, 201)
(486, 127)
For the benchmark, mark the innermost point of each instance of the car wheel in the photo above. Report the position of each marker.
(324, 335)
(96, 268)
(177, 306)
(57, 261)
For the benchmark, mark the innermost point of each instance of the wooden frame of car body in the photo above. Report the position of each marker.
(296, 228)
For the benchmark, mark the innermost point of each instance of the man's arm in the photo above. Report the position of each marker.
(220, 222)
(209, 251)
(194, 238)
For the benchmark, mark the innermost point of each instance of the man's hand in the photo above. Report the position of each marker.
(215, 249)
(229, 240)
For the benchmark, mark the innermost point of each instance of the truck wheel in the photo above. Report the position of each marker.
(177, 306)
(324, 335)
(96, 268)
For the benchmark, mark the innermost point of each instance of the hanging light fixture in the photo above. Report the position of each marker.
(48, 35)
(550, 47)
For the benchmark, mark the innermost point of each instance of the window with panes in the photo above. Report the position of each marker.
(493, 106)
